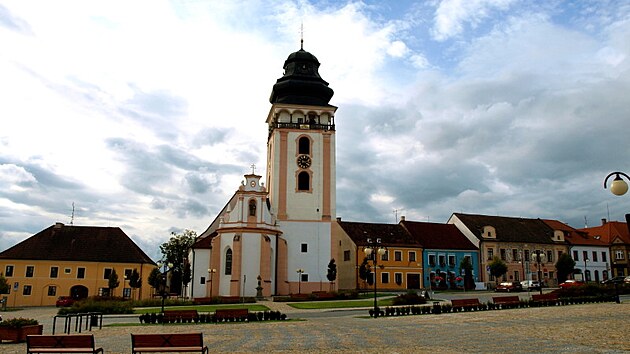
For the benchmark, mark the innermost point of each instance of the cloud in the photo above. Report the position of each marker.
(452, 15)
(8, 20)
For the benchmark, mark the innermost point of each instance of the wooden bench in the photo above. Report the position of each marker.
(506, 301)
(62, 343)
(545, 299)
(231, 314)
(174, 342)
(466, 304)
(180, 315)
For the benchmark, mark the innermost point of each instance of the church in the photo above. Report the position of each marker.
(274, 237)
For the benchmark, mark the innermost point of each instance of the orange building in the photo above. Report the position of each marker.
(73, 261)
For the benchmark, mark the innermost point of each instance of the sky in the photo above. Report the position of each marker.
(145, 115)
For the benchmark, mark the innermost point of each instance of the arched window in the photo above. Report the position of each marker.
(228, 262)
(304, 181)
(252, 207)
(304, 146)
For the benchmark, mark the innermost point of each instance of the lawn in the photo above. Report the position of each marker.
(201, 308)
(312, 305)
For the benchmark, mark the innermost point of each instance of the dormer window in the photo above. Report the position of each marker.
(489, 232)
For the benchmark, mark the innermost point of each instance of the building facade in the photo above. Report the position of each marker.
(617, 236)
(73, 261)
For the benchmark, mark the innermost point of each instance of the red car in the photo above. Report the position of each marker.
(571, 283)
(65, 301)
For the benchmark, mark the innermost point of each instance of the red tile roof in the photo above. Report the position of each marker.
(79, 243)
(609, 231)
(574, 236)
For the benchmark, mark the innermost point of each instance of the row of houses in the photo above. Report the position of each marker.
(67, 260)
(418, 252)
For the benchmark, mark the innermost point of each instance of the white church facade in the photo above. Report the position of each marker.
(276, 235)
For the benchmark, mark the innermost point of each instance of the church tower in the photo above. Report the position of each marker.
(301, 170)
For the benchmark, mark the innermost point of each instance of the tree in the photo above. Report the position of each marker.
(364, 271)
(135, 282)
(565, 266)
(498, 268)
(175, 251)
(154, 279)
(466, 267)
(113, 282)
(332, 273)
(4, 285)
(187, 275)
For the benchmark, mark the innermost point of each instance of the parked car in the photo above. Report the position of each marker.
(571, 283)
(65, 301)
(509, 286)
(626, 279)
(530, 284)
(614, 280)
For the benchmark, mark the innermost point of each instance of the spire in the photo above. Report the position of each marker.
(302, 36)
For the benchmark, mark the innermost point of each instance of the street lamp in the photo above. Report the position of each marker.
(374, 248)
(539, 257)
(163, 291)
(211, 271)
(618, 187)
(299, 271)
(585, 261)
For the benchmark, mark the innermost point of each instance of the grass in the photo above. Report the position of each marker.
(312, 305)
(201, 308)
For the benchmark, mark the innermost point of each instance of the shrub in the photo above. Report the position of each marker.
(102, 305)
(410, 298)
(18, 322)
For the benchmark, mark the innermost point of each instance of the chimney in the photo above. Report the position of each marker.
(338, 219)
(58, 225)
(603, 221)
(402, 218)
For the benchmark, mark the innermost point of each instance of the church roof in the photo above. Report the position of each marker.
(78, 243)
(301, 83)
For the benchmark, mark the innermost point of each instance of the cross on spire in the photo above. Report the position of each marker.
(302, 36)
(253, 167)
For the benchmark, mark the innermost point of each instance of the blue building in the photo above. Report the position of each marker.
(444, 248)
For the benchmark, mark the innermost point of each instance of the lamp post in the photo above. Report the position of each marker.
(374, 248)
(539, 257)
(163, 279)
(211, 271)
(299, 271)
(585, 261)
(618, 187)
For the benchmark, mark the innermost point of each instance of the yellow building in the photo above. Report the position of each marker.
(73, 261)
(399, 267)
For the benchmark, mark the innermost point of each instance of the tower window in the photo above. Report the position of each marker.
(304, 181)
(304, 145)
(252, 208)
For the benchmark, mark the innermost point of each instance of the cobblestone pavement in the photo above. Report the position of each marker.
(590, 328)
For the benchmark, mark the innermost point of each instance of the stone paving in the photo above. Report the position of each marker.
(590, 328)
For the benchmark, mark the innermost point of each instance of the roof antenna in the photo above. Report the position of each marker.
(302, 36)
(72, 216)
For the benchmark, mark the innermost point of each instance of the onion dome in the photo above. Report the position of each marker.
(301, 83)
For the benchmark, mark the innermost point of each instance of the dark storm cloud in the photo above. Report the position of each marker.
(8, 20)
(197, 182)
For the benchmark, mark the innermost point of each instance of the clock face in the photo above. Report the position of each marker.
(304, 161)
(252, 183)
